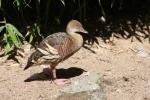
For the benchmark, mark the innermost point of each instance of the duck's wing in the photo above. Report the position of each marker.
(54, 40)
(50, 49)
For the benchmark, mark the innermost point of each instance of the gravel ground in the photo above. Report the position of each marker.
(123, 71)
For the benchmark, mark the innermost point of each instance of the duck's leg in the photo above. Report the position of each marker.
(54, 77)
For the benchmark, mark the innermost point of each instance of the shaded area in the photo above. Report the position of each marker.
(126, 26)
(121, 18)
(61, 73)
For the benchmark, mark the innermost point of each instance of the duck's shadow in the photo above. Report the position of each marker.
(61, 73)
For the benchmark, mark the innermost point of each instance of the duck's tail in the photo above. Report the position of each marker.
(30, 60)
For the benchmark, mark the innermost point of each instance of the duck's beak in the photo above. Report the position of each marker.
(83, 30)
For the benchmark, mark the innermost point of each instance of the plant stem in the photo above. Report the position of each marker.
(46, 15)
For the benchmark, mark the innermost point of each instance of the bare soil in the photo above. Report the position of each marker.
(124, 71)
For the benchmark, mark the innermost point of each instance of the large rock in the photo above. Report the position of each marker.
(87, 88)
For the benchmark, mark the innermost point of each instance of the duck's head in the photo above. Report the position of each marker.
(75, 26)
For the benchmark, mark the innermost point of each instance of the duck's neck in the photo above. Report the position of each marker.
(77, 40)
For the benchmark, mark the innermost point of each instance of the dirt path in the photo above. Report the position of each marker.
(124, 70)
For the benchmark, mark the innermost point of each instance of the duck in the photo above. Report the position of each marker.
(58, 47)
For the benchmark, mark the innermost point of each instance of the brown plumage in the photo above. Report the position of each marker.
(58, 47)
